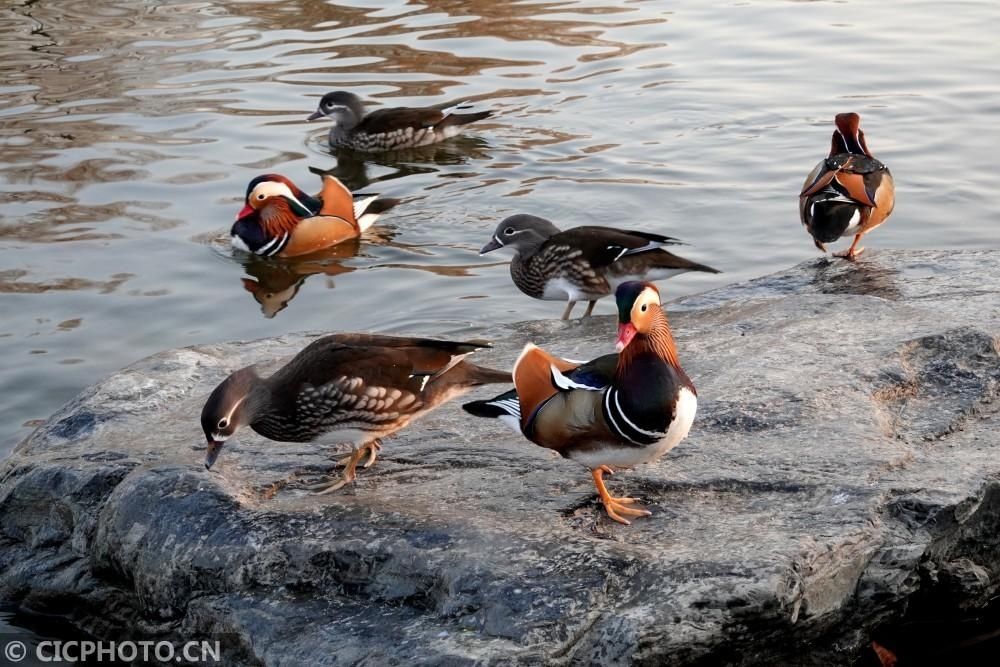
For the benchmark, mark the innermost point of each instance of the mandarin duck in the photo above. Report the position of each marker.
(618, 410)
(344, 389)
(583, 263)
(849, 192)
(390, 129)
(280, 220)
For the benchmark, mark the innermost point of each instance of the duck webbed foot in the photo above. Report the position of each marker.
(350, 469)
(852, 252)
(373, 448)
(616, 507)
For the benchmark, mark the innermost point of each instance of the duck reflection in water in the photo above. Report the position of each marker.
(352, 166)
(273, 283)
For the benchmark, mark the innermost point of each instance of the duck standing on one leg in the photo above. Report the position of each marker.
(583, 263)
(849, 192)
(344, 388)
(280, 220)
(615, 411)
(390, 129)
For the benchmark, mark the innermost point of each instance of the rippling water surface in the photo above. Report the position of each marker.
(130, 130)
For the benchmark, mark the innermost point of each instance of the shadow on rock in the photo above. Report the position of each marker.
(867, 276)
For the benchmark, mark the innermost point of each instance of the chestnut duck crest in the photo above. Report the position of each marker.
(848, 192)
(616, 411)
(344, 389)
(278, 219)
(583, 263)
(393, 128)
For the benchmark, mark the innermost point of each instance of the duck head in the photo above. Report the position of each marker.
(638, 311)
(263, 190)
(848, 137)
(521, 232)
(231, 406)
(343, 108)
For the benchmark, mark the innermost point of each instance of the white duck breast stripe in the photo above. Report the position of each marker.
(611, 418)
(273, 246)
(565, 384)
(651, 434)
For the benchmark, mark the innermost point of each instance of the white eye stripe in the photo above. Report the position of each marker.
(275, 189)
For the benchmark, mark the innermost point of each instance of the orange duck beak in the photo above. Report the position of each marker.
(245, 211)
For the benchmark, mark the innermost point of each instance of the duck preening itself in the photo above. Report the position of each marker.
(350, 388)
(848, 192)
(278, 219)
(391, 129)
(583, 263)
(616, 411)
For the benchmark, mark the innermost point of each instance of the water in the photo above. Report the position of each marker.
(130, 129)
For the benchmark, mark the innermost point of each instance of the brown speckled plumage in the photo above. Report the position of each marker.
(392, 128)
(584, 263)
(345, 388)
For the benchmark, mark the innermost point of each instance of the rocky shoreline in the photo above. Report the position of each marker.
(842, 471)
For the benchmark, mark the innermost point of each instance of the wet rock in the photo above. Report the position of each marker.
(843, 468)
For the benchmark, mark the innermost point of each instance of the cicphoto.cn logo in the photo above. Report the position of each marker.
(132, 652)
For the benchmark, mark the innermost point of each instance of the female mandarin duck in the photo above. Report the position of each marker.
(390, 129)
(849, 192)
(583, 263)
(280, 220)
(344, 388)
(615, 411)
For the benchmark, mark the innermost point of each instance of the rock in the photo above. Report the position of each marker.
(842, 472)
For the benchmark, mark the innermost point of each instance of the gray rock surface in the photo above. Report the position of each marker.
(842, 469)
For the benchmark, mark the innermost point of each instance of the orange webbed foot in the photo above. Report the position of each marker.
(852, 252)
(849, 254)
(616, 507)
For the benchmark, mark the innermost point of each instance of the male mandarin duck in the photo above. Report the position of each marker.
(390, 129)
(345, 388)
(583, 263)
(618, 410)
(280, 220)
(849, 192)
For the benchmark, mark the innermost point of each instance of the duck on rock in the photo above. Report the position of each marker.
(390, 129)
(848, 192)
(278, 219)
(616, 411)
(583, 263)
(344, 389)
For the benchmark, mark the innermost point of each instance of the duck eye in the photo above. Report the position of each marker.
(509, 231)
(261, 196)
(223, 423)
(643, 309)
